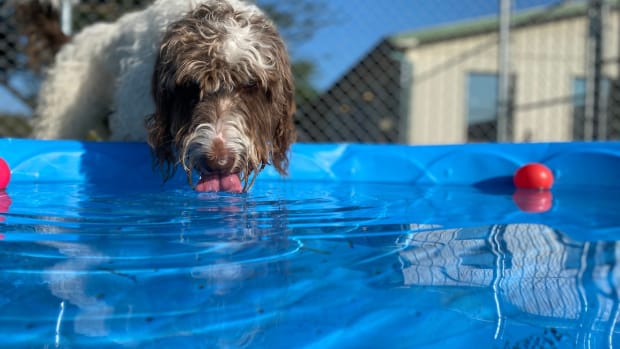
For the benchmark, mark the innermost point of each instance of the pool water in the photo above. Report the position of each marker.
(307, 264)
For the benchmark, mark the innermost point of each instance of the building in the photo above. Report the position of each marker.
(440, 85)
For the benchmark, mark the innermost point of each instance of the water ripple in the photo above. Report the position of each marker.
(330, 263)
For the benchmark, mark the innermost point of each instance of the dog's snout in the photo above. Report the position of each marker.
(220, 159)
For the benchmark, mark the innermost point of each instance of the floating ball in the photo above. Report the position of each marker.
(5, 174)
(533, 176)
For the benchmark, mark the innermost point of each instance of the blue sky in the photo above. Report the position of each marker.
(358, 25)
(12, 105)
(24, 84)
(355, 26)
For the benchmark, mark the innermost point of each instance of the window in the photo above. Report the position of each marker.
(482, 107)
(579, 107)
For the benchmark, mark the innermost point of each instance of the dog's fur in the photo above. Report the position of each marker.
(211, 77)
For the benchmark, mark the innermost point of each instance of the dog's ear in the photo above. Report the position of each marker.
(284, 135)
(158, 125)
(174, 103)
(284, 97)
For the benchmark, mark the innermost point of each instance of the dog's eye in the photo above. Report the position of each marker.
(251, 85)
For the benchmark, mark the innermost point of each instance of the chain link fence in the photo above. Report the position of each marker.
(436, 72)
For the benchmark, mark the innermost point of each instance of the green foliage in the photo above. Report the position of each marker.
(87, 12)
(297, 21)
(303, 71)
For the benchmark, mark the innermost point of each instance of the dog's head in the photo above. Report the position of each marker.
(224, 97)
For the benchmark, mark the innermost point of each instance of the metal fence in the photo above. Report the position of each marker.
(442, 72)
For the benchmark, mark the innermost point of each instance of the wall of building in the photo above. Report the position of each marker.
(545, 58)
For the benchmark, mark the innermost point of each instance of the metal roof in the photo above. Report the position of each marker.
(490, 24)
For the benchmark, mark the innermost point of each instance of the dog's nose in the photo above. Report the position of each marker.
(220, 158)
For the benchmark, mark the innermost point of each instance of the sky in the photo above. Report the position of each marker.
(354, 27)
(9, 104)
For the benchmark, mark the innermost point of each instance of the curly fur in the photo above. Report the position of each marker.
(211, 77)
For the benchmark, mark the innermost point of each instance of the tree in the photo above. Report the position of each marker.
(297, 21)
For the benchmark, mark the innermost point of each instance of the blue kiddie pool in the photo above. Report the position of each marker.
(363, 246)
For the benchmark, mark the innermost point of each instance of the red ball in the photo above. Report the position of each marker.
(533, 176)
(5, 174)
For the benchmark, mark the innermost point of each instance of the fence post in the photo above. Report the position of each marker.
(503, 95)
(405, 81)
(594, 52)
(66, 20)
(604, 85)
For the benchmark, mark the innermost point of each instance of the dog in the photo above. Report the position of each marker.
(207, 83)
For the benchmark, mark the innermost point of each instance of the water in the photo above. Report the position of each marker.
(307, 265)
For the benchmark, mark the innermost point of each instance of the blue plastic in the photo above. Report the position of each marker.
(574, 164)
(362, 246)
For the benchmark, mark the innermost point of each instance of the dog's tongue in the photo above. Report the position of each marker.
(217, 182)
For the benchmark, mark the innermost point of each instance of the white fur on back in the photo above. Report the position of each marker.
(105, 71)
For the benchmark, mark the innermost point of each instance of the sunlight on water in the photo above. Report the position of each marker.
(306, 265)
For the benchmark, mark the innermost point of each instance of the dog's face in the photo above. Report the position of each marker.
(224, 97)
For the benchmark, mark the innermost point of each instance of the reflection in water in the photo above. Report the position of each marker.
(115, 287)
(316, 266)
(531, 268)
(67, 281)
(5, 204)
(76, 268)
(534, 201)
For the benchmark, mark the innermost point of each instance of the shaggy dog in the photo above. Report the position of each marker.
(207, 83)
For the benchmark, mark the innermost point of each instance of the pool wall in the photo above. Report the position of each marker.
(573, 164)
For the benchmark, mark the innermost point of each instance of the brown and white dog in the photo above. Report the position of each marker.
(207, 83)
